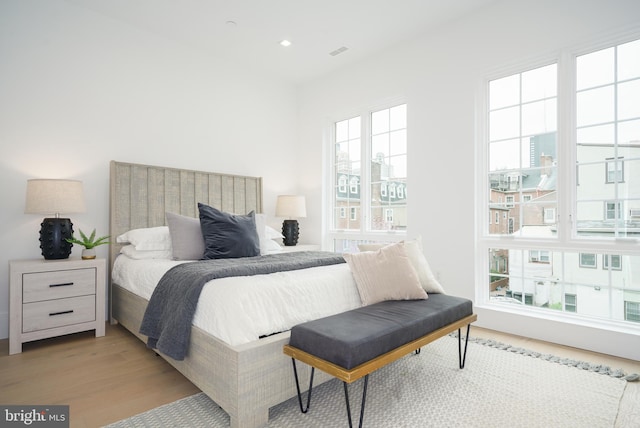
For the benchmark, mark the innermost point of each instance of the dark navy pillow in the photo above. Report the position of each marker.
(228, 235)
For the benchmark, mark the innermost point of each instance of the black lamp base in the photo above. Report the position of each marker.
(290, 231)
(53, 235)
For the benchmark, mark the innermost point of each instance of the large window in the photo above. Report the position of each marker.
(608, 139)
(562, 145)
(370, 154)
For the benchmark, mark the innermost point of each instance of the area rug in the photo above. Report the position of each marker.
(500, 386)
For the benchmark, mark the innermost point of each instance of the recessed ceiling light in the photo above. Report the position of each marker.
(285, 43)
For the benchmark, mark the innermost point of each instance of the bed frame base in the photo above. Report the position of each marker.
(244, 380)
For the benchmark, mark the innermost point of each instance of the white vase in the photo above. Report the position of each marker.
(88, 254)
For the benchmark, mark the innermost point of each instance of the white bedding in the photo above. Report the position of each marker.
(241, 309)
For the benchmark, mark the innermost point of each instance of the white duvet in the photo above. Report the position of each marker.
(239, 310)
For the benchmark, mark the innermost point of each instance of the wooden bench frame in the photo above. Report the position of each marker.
(348, 376)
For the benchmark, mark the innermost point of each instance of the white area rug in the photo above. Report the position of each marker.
(500, 386)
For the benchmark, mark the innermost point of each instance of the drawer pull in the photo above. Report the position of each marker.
(63, 284)
(61, 313)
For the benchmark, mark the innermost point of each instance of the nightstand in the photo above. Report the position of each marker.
(49, 298)
(300, 247)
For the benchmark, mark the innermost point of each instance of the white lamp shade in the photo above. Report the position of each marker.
(46, 196)
(291, 206)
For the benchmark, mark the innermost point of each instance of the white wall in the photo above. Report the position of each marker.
(78, 90)
(439, 74)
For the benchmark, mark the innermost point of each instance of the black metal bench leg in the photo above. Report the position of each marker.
(295, 372)
(364, 399)
(462, 358)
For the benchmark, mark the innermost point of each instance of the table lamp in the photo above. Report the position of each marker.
(55, 197)
(292, 207)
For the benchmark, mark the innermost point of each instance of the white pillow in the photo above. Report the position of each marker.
(131, 252)
(149, 238)
(269, 247)
(419, 262)
(271, 233)
(385, 274)
(266, 234)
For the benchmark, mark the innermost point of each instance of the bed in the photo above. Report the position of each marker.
(244, 380)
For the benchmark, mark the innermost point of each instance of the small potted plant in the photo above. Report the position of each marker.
(89, 244)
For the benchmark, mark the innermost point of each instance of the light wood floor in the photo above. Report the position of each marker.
(110, 378)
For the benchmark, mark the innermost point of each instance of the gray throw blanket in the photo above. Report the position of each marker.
(168, 317)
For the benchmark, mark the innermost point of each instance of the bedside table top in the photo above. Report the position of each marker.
(43, 265)
(301, 247)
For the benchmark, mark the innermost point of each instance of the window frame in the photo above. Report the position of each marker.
(583, 264)
(607, 257)
(573, 304)
(636, 311)
(617, 170)
(566, 239)
(364, 233)
(541, 256)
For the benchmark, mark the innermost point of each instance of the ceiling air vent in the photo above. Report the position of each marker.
(338, 51)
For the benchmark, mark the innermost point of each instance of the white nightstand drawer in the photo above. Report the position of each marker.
(58, 284)
(49, 298)
(56, 313)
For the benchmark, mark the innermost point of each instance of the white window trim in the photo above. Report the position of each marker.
(329, 232)
(566, 240)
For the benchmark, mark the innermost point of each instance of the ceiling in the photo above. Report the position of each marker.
(249, 31)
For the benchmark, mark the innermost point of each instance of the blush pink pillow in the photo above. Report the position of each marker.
(385, 274)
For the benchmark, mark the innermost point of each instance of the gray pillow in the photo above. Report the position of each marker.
(228, 235)
(187, 242)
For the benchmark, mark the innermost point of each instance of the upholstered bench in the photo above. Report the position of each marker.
(353, 344)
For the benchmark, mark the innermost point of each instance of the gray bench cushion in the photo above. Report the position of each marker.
(354, 337)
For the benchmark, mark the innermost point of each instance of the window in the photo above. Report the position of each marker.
(539, 256)
(588, 260)
(354, 186)
(615, 261)
(614, 170)
(354, 214)
(522, 140)
(528, 298)
(369, 170)
(560, 138)
(549, 215)
(343, 212)
(570, 303)
(612, 210)
(342, 184)
(632, 311)
(607, 83)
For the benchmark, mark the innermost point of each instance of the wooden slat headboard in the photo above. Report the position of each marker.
(140, 195)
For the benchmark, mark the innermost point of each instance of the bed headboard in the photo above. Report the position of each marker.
(140, 195)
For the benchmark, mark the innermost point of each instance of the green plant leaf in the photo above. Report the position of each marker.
(89, 242)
